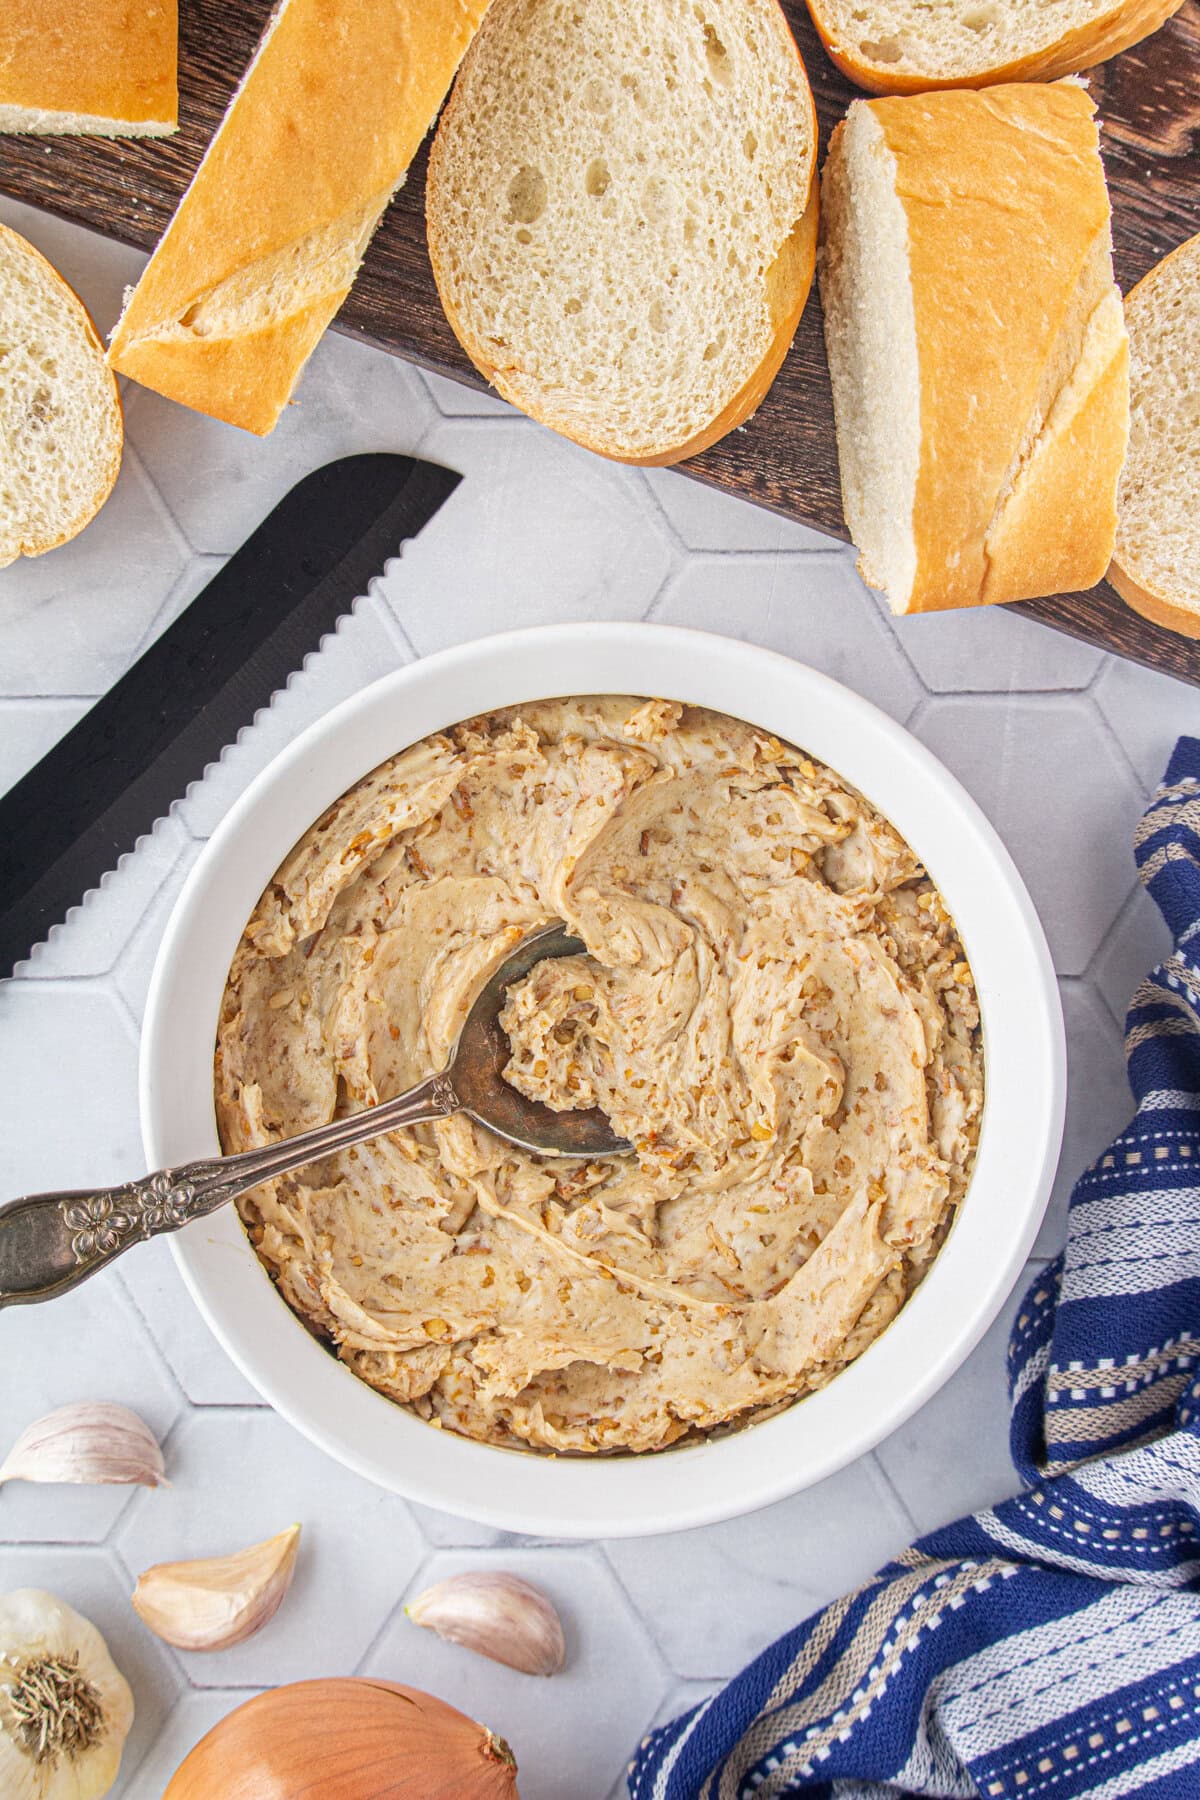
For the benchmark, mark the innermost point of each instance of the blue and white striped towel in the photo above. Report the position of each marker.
(1048, 1648)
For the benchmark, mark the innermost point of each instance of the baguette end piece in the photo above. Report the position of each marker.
(266, 242)
(89, 68)
(238, 350)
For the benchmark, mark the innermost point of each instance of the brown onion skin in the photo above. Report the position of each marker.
(346, 1739)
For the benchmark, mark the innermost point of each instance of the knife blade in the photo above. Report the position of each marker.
(120, 768)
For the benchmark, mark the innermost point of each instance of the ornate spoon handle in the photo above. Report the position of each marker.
(51, 1242)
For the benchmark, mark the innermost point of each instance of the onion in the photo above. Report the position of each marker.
(346, 1739)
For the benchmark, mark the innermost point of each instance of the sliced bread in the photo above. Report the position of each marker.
(906, 46)
(622, 214)
(976, 343)
(60, 414)
(1156, 563)
(102, 67)
(267, 240)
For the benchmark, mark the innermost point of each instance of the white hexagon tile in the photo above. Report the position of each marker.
(1062, 796)
(812, 607)
(1059, 744)
(993, 651)
(778, 1565)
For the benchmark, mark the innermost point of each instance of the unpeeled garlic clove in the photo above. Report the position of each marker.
(217, 1601)
(88, 1441)
(498, 1615)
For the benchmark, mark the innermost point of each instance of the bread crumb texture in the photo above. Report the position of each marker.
(871, 340)
(60, 414)
(896, 46)
(1158, 518)
(610, 190)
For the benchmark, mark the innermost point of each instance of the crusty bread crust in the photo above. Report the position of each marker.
(1008, 229)
(1124, 24)
(1054, 532)
(1155, 607)
(106, 66)
(787, 285)
(94, 481)
(1175, 614)
(789, 281)
(265, 243)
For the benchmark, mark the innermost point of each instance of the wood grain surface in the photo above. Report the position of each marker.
(785, 459)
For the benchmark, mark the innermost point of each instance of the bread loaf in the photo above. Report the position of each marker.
(622, 214)
(106, 67)
(1156, 563)
(976, 343)
(267, 240)
(60, 413)
(908, 46)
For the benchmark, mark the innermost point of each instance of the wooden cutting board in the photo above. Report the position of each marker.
(786, 459)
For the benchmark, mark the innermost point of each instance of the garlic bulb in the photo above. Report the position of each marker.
(88, 1441)
(65, 1708)
(497, 1615)
(220, 1600)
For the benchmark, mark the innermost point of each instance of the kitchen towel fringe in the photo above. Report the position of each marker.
(1047, 1648)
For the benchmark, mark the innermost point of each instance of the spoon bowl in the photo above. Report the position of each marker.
(476, 1072)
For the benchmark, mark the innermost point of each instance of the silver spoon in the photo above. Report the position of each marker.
(51, 1242)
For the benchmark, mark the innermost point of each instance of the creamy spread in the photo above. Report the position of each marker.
(776, 1011)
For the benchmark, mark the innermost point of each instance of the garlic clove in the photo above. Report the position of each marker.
(217, 1601)
(497, 1615)
(88, 1441)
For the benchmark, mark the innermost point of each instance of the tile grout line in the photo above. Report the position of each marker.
(429, 1552)
(884, 1479)
(148, 1330)
(131, 456)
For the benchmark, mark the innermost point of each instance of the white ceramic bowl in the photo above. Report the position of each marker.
(1018, 1147)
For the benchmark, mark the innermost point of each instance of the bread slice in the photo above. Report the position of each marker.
(908, 46)
(1156, 563)
(104, 67)
(267, 240)
(60, 413)
(976, 344)
(622, 214)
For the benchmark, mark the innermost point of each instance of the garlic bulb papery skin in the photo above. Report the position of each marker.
(217, 1601)
(499, 1616)
(65, 1707)
(88, 1441)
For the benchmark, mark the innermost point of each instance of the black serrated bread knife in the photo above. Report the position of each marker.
(66, 822)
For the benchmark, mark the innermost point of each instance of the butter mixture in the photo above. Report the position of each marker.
(776, 1011)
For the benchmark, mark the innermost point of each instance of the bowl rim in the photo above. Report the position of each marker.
(1025, 1093)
